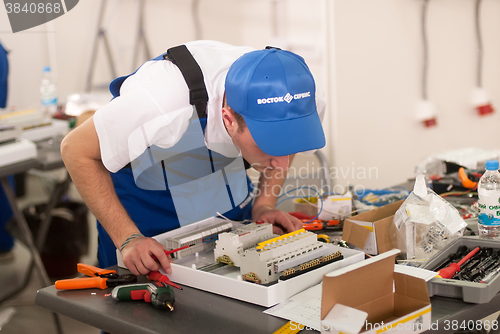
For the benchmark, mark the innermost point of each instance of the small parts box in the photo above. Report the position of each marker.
(373, 231)
(470, 292)
(369, 297)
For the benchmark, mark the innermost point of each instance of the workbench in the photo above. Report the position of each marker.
(197, 311)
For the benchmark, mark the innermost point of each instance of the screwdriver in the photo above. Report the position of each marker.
(168, 252)
(452, 268)
(158, 277)
(159, 294)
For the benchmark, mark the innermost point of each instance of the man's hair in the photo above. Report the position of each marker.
(239, 119)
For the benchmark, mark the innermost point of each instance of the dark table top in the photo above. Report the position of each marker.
(198, 311)
(19, 167)
(49, 154)
(195, 311)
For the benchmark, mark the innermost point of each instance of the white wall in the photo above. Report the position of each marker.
(167, 23)
(378, 61)
(377, 56)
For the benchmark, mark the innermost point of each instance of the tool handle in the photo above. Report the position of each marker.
(91, 270)
(159, 277)
(468, 256)
(466, 182)
(82, 283)
(333, 222)
(131, 292)
(449, 271)
(312, 226)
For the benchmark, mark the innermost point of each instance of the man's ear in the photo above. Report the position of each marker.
(229, 121)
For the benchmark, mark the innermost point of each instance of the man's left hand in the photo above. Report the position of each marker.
(282, 221)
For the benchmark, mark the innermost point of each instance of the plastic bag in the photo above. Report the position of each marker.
(426, 223)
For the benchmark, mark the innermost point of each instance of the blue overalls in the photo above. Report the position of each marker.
(6, 240)
(153, 211)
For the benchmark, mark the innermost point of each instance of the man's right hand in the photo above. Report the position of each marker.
(137, 256)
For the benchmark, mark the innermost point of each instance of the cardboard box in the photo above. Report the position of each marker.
(360, 299)
(227, 281)
(373, 231)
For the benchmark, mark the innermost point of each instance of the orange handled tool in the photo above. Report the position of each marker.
(82, 283)
(312, 226)
(92, 271)
(466, 182)
(334, 222)
(99, 278)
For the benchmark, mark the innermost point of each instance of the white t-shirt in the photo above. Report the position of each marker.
(153, 107)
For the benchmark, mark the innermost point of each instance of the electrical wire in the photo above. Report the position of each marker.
(381, 197)
(337, 214)
(224, 217)
(302, 197)
(425, 49)
(479, 40)
(330, 212)
(231, 220)
(459, 193)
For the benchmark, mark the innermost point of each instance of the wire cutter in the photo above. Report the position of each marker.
(98, 278)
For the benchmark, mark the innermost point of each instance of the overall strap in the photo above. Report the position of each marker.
(191, 71)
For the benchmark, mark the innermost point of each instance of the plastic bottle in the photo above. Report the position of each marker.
(48, 93)
(489, 201)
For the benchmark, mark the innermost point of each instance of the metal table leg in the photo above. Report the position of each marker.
(25, 231)
(59, 190)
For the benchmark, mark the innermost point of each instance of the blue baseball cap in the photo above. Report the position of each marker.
(275, 93)
(4, 73)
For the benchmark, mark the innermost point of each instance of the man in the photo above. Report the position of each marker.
(259, 105)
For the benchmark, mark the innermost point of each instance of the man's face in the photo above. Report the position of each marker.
(254, 155)
(243, 139)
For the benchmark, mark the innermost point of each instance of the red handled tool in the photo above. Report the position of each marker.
(453, 268)
(159, 277)
(156, 276)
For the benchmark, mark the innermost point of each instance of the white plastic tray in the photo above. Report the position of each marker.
(225, 281)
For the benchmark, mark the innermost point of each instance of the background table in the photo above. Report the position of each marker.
(48, 158)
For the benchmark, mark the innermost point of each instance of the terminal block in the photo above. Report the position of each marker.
(231, 245)
(251, 277)
(197, 240)
(269, 259)
(311, 265)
